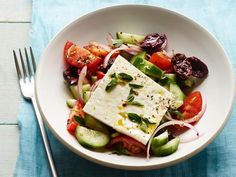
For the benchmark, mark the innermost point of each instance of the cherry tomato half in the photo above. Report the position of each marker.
(162, 61)
(128, 143)
(79, 57)
(75, 111)
(192, 105)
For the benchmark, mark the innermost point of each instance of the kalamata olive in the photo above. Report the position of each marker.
(70, 75)
(199, 69)
(188, 66)
(182, 66)
(154, 42)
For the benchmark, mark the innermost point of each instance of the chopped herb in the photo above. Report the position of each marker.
(163, 81)
(79, 120)
(111, 85)
(120, 150)
(135, 86)
(113, 75)
(176, 112)
(134, 117)
(147, 121)
(143, 126)
(135, 103)
(130, 99)
(125, 77)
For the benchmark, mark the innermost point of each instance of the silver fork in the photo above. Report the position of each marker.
(26, 81)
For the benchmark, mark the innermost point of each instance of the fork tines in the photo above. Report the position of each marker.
(26, 70)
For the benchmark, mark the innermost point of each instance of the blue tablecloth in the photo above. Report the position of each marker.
(48, 16)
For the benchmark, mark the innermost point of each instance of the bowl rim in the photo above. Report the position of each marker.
(149, 166)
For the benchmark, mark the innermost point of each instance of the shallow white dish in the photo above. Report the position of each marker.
(184, 35)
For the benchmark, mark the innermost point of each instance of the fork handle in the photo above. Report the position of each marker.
(44, 137)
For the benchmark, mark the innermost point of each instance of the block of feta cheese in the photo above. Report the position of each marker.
(148, 103)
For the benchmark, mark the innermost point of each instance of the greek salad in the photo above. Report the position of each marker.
(131, 96)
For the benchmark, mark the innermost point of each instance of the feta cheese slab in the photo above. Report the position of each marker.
(110, 107)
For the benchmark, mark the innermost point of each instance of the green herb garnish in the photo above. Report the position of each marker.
(146, 120)
(135, 86)
(125, 77)
(111, 85)
(130, 99)
(176, 112)
(143, 126)
(79, 120)
(135, 103)
(134, 117)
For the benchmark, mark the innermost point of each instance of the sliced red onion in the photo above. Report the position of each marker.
(173, 122)
(81, 79)
(107, 58)
(135, 47)
(110, 39)
(190, 139)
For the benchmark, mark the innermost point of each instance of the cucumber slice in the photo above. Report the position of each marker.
(159, 140)
(70, 102)
(86, 96)
(171, 77)
(168, 148)
(94, 79)
(94, 124)
(130, 38)
(74, 91)
(86, 87)
(91, 138)
(146, 67)
(178, 94)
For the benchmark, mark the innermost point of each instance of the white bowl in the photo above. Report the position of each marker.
(184, 35)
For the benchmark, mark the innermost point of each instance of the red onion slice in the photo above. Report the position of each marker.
(173, 122)
(107, 58)
(81, 79)
(109, 39)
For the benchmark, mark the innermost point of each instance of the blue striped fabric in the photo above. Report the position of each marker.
(48, 16)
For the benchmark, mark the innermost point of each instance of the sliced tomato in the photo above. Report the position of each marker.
(128, 143)
(162, 61)
(97, 49)
(192, 105)
(75, 111)
(79, 57)
(66, 47)
(100, 75)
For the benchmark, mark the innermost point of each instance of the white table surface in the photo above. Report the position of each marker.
(15, 23)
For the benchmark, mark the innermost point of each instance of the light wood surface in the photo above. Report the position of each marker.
(15, 17)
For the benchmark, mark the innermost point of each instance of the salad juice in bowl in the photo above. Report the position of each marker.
(136, 90)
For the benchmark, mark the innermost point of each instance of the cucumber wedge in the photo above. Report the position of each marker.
(86, 87)
(91, 138)
(74, 91)
(145, 66)
(71, 102)
(130, 38)
(171, 77)
(178, 94)
(94, 124)
(159, 140)
(167, 149)
(86, 96)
